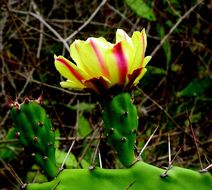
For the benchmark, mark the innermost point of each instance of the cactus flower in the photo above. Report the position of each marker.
(99, 65)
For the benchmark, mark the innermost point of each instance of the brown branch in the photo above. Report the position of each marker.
(174, 27)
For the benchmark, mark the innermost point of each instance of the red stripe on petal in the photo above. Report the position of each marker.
(71, 69)
(121, 62)
(100, 85)
(125, 36)
(133, 76)
(142, 51)
(100, 59)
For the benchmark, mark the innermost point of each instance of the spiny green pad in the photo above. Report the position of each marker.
(140, 176)
(121, 123)
(34, 131)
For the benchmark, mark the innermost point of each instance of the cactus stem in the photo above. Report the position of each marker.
(27, 119)
(139, 176)
(120, 118)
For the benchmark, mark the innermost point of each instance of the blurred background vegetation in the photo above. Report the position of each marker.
(174, 95)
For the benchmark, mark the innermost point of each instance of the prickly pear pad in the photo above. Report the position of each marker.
(140, 176)
(34, 131)
(121, 123)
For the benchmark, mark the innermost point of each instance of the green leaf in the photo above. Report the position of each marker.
(196, 88)
(142, 9)
(84, 164)
(156, 70)
(71, 161)
(9, 151)
(194, 119)
(35, 176)
(166, 45)
(85, 107)
(57, 135)
(84, 128)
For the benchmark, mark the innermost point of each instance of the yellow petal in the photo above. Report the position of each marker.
(140, 76)
(112, 67)
(146, 60)
(121, 35)
(139, 43)
(117, 60)
(72, 85)
(68, 69)
(89, 56)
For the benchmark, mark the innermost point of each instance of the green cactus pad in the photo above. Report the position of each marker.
(34, 131)
(120, 122)
(140, 176)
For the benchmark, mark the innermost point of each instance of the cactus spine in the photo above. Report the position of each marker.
(121, 123)
(34, 131)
